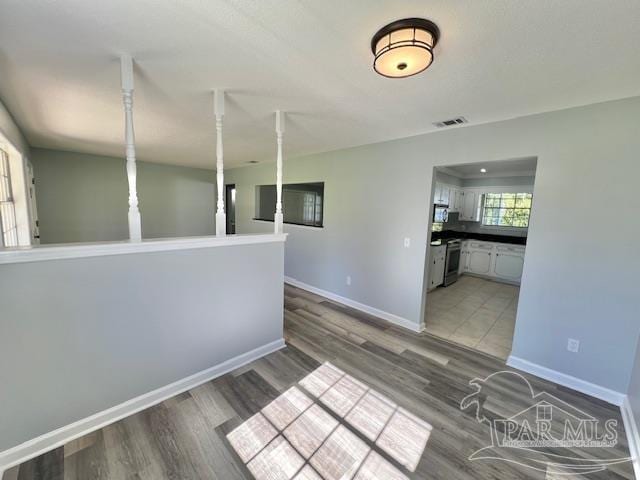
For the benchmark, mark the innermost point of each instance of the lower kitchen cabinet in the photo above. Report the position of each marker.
(498, 261)
(509, 262)
(480, 254)
(437, 258)
(480, 262)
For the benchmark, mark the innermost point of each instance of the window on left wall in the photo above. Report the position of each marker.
(7, 204)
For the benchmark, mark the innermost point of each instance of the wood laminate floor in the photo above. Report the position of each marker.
(413, 384)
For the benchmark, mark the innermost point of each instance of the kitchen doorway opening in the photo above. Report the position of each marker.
(479, 221)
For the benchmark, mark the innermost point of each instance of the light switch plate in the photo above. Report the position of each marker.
(407, 242)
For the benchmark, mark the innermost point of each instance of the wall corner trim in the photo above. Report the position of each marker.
(389, 317)
(633, 438)
(597, 391)
(48, 441)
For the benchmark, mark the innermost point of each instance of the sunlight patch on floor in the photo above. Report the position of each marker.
(296, 438)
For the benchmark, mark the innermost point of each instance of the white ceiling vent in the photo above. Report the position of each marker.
(451, 122)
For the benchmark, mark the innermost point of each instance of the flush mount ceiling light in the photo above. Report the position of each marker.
(483, 170)
(404, 47)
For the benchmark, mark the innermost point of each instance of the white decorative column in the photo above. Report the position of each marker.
(218, 109)
(278, 218)
(135, 221)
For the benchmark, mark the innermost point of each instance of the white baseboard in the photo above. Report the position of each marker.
(603, 393)
(389, 317)
(631, 428)
(44, 443)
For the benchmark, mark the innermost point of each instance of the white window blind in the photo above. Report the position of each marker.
(7, 206)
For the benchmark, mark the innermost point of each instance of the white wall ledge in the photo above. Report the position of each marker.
(287, 225)
(38, 253)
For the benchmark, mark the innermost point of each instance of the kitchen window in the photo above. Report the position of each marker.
(302, 203)
(506, 209)
(7, 205)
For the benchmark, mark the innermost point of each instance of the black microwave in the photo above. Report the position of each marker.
(440, 213)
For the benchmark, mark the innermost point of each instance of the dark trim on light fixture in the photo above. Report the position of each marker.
(420, 23)
(404, 24)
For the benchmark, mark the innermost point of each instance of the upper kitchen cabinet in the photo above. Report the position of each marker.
(450, 195)
(441, 195)
(469, 211)
(456, 199)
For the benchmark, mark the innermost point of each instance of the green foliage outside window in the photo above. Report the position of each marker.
(507, 209)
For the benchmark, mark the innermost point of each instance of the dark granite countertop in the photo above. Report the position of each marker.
(487, 237)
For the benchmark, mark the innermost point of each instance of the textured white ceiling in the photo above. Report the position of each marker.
(497, 59)
(501, 168)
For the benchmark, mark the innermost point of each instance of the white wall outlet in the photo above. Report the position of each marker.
(573, 345)
(407, 242)
(348, 280)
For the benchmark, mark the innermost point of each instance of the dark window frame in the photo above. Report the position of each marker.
(316, 188)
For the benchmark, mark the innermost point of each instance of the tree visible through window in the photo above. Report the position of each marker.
(507, 209)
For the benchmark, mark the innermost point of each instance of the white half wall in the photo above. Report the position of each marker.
(83, 335)
(580, 278)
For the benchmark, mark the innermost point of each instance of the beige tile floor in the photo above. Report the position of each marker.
(474, 312)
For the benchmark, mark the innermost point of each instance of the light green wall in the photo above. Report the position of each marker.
(84, 198)
(572, 287)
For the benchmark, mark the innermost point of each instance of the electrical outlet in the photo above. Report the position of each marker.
(573, 345)
(407, 242)
(348, 280)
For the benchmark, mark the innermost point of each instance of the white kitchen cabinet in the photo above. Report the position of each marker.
(508, 263)
(445, 194)
(452, 200)
(437, 193)
(437, 259)
(455, 199)
(469, 206)
(442, 194)
(460, 200)
(499, 261)
(479, 262)
(464, 258)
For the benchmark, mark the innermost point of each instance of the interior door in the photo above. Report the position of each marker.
(230, 208)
